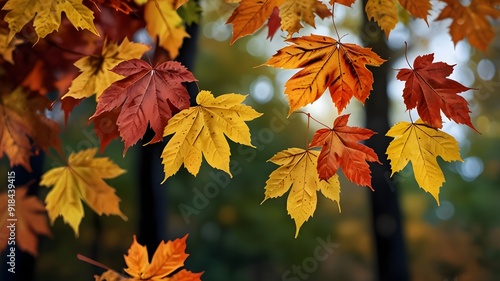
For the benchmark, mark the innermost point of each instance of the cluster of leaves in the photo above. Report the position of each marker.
(83, 54)
(167, 263)
(327, 63)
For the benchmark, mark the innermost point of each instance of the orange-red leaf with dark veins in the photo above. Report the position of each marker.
(146, 95)
(428, 89)
(340, 147)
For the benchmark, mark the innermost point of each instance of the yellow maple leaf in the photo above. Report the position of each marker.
(199, 130)
(298, 171)
(81, 179)
(293, 11)
(96, 71)
(421, 144)
(385, 12)
(7, 46)
(46, 15)
(164, 24)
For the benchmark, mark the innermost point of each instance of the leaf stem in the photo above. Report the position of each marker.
(92, 262)
(316, 120)
(406, 55)
(66, 50)
(333, 21)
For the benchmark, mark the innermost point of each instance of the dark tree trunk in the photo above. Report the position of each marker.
(386, 214)
(153, 202)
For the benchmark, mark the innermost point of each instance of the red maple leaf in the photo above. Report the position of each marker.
(105, 127)
(274, 23)
(146, 95)
(340, 148)
(428, 89)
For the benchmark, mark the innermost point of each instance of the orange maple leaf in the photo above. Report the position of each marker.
(24, 127)
(326, 63)
(168, 258)
(250, 15)
(428, 89)
(471, 21)
(31, 220)
(340, 147)
(146, 95)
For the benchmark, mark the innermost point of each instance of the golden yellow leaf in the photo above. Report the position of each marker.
(165, 25)
(7, 46)
(293, 11)
(326, 63)
(298, 171)
(96, 71)
(384, 12)
(46, 15)
(82, 179)
(421, 144)
(199, 130)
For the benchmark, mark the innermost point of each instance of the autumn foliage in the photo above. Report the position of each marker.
(74, 49)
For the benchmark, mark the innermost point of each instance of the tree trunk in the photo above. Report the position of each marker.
(153, 203)
(386, 214)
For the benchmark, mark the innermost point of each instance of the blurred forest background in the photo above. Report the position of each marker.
(233, 237)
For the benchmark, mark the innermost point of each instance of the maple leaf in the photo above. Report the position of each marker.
(340, 147)
(82, 179)
(24, 127)
(428, 89)
(326, 63)
(164, 24)
(7, 46)
(417, 8)
(105, 127)
(347, 3)
(30, 219)
(250, 15)
(46, 15)
(297, 173)
(471, 21)
(199, 130)
(168, 258)
(385, 12)
(274, 23)
(421, 144)
(146, 94)
(119, 5)
(96, 71)
(292, 12)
